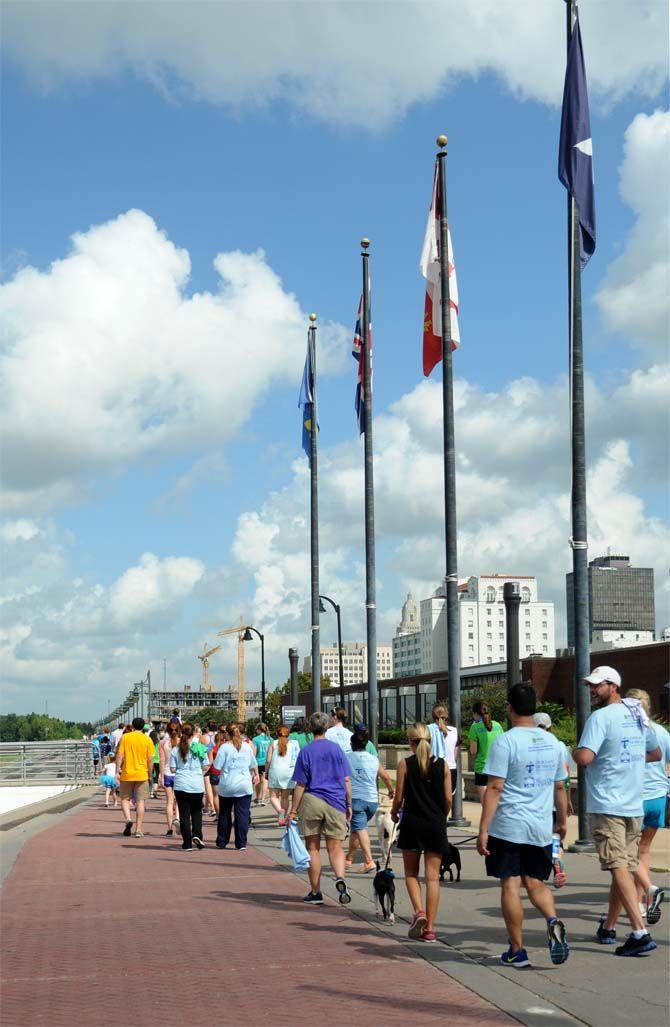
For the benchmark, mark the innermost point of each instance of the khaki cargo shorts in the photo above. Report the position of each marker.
(137, 790)
(319, 817)
(617, 840)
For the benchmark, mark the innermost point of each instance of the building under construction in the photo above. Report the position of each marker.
(186, 700)
(240, 703)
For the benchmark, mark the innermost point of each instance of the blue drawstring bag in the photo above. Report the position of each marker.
(294, 847)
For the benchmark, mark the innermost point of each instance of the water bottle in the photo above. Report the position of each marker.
(557, 861)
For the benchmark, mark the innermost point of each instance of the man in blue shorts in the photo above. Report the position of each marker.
(525, 780)
(616, 742)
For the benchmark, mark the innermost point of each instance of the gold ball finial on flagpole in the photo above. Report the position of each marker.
(365, 243)
(312, 318)
(442, 141)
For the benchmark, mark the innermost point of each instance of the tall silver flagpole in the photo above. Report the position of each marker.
(370, 572)
(451, 540)
(314, 528)
(579, 543)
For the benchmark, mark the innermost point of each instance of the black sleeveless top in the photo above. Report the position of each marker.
(423, 825)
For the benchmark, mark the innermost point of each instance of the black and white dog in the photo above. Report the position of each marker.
(386, 831)
(384, 880)
(384, 886)
(450, 857)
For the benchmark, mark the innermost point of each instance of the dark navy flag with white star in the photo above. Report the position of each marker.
(575, 151)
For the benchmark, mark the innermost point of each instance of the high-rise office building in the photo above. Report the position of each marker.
(621, 603)
(354, 663)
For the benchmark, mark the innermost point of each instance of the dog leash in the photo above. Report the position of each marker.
(391, 841)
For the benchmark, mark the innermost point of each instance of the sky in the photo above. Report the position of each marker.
(182, 185)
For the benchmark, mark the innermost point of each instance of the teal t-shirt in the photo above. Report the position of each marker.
(484, 740)
(262, 743)
(656, 783)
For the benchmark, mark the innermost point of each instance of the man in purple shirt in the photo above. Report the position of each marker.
(323, 794)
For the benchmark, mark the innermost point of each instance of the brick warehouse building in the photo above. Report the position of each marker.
(404, 700)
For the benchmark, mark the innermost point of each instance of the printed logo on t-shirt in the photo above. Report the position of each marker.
(541, 767)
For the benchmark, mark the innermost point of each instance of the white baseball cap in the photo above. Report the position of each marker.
(542, 720)
(602, 674)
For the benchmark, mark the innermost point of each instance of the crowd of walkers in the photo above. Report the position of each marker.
(327, 776)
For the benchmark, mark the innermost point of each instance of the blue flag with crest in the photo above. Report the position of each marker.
(306, 401)
(575, 151)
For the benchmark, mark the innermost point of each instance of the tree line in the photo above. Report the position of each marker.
(39, 727)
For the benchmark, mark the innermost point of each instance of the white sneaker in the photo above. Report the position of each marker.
(643, 910)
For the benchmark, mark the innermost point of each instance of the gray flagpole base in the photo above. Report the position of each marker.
(459, 822)
(582, 845)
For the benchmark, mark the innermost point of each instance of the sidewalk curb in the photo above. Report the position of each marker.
(54, 804)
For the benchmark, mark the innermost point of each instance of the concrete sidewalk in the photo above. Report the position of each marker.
(99, 927)
(594, 987)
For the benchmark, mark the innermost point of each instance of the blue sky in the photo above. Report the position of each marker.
(302, 179)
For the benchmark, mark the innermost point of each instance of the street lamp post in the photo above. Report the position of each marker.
(512, 599)
(336, 607)
(246, 637)
(293, 661)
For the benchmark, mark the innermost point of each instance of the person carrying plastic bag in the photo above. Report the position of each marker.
(294, 847)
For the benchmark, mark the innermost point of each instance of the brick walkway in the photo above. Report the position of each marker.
(99, 928)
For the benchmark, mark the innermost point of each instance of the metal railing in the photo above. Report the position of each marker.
(28, 763)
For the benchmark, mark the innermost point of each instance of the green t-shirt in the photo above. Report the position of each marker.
(303, 738)
(484, 740)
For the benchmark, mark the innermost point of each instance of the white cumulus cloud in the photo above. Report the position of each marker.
(153, 586)
(361, 63)
(108, 358)
(635, 296)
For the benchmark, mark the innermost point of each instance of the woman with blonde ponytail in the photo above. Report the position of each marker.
(444, 741)
(423, 794)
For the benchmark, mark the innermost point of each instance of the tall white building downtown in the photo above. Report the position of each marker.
(354, 663)
(407, 642)
(433, 627)
(483, 620)
(420, 645)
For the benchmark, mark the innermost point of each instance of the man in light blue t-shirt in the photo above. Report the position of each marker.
(615, 744)
(525, 780)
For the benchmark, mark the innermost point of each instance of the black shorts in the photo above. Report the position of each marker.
(481, 780)
(261, 771)
(511, 859)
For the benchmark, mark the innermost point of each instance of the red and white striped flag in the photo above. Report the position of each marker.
(430, 269)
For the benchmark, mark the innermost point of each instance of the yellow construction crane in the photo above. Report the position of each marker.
(239, 631)
(204, 657)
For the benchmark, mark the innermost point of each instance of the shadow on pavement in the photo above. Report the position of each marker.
(416, 1007)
